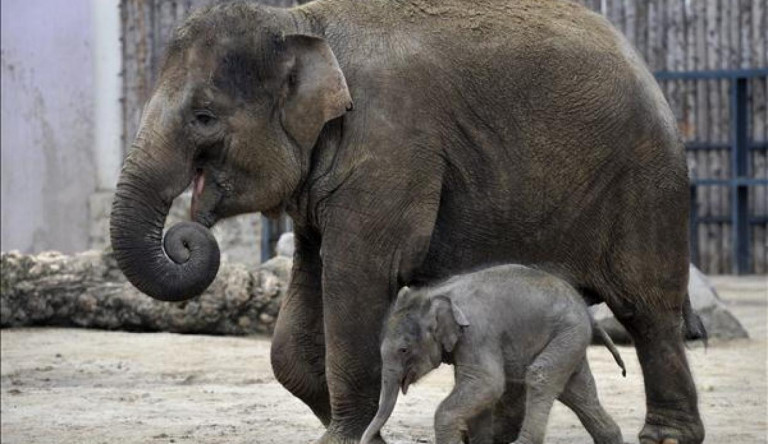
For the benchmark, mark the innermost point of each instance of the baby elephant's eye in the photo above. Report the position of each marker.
(403, 350)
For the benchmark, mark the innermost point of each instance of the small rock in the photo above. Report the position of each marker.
(285, 245)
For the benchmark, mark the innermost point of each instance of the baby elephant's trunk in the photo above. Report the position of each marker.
(608, 342)
(387, 400)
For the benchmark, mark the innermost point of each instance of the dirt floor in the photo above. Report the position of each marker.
(86, 386)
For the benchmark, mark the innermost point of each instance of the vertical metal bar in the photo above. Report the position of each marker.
(694, 227)
(739, 153)
(266, 235)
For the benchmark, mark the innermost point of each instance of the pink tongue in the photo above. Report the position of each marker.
(197, 189)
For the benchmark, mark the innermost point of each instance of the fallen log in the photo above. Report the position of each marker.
(88, 290)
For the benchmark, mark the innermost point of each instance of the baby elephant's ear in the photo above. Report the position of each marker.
(317, 90)
(449, 320)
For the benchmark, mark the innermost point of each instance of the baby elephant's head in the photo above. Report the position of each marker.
(420, 329)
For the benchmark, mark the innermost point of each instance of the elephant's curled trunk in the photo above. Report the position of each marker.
(175, 268)
(387, 400)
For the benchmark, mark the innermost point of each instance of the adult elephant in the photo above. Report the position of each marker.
(503, 131)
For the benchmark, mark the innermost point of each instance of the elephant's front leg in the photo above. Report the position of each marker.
(459, 418)
(298, 349)
(372, 243)
(356, 297)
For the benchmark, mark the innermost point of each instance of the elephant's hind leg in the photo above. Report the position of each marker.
(546, 377)
(580, 395)
(298, 349)
(645, 288)
(672, 414)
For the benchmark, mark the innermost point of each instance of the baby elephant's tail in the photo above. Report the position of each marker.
(608, 342)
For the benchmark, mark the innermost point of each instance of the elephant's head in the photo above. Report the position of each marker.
(237, 109)
(421, 328)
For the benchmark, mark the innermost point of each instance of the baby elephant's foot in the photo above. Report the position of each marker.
(654, 441)
(336, 438)
(665, 441)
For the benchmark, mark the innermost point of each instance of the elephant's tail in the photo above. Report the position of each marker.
(608, 342)
(693, 328)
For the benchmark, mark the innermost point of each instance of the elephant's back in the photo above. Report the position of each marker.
(524, 69)
(522, 297)
(467, 32)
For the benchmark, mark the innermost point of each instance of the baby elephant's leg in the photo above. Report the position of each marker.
(580, 395)
(545, 379)
(481, 428)
(508, 414)
(477, 389)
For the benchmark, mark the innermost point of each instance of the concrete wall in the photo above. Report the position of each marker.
(48, 170)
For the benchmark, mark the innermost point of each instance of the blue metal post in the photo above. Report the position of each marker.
(739, 171)
(266, 236)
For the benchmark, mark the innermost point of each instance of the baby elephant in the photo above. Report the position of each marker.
(517, 338)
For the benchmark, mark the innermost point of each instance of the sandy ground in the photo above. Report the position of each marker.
(81, 386)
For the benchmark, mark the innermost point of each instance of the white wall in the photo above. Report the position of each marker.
(49, 94)
(107, 62)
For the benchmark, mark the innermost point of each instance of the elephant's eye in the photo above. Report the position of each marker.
(403, 350)
(204, 118)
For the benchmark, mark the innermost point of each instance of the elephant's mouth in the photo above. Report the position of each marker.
(406, 381)
(206, 196)
(198, 184)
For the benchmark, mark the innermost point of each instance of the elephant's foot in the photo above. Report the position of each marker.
(659, 429)
(672, 407)
(331, 437)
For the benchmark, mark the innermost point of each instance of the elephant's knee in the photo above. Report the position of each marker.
(299, 375)
(289, 364)
(280, 356)
(537, 378)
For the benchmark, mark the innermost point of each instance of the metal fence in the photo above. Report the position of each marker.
(746, 203)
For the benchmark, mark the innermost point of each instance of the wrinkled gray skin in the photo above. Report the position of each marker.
(511, 131)
(517, 338)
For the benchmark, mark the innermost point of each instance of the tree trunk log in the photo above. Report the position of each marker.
(88, 290)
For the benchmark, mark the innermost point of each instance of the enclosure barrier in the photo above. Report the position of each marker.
(739, 183)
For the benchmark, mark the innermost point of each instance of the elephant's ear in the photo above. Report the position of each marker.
(449, 321)
(316, 88)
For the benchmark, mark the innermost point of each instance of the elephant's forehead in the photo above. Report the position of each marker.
(200, 59)
(403, 324)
